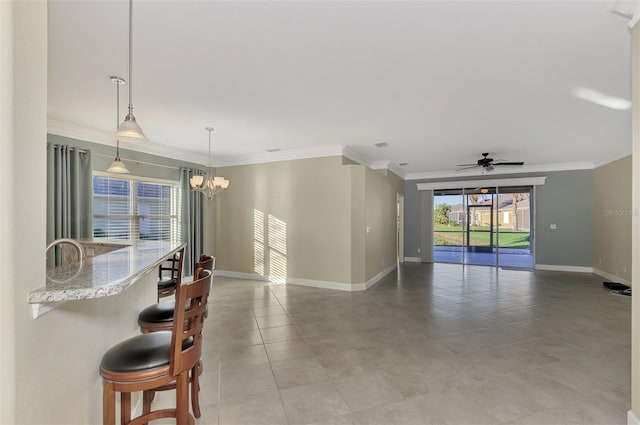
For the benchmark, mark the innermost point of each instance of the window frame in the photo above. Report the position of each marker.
(133, 216)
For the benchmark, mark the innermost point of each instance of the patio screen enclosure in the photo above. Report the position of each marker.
(484, 226)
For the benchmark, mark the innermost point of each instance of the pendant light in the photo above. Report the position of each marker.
(117, 166)
(209, 184)
(129, 130)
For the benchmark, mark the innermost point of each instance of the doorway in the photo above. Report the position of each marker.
(491, 226)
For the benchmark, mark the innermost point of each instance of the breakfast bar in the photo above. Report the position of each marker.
(110, 273)
(88, 310)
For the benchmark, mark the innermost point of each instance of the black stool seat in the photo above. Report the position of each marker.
(141, 352)
(158, 313)
(167, 282)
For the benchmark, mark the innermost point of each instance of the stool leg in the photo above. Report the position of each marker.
(182, 398)
(147, 398)
(195, 389)
(125, 408)
(108, 404)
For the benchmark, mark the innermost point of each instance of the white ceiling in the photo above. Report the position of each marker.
(440, 82)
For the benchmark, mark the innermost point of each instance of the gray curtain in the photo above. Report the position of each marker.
(69, 193)
(192, 215)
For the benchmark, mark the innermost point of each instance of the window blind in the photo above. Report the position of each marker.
(134, 209)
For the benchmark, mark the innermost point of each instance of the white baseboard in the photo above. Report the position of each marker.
(341, 286)
(632, 419)
(611, 277)
(323, 284)
(560, 268)
(412, 260)
(379, 276)
(240, 275)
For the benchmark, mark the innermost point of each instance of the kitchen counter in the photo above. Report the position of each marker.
(104, 275)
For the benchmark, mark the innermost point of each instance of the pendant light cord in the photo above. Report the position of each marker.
(210, 161)
(117, 117)
(130, 54)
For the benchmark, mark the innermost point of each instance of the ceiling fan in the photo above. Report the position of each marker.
(488, 163)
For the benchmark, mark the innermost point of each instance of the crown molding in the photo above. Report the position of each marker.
(388, 165)
(74, 131)
(349, 153)
(567, 166)
(462, 184)
(285, 155)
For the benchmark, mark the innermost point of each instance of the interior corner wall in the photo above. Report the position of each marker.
(413, 220)
(612, 213)
(358, 208)
(381, 227)
(303, 202)
(566, 200)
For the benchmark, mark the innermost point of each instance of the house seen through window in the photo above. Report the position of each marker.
(135, 209)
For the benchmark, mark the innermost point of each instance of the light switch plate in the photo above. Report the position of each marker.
(553, 226)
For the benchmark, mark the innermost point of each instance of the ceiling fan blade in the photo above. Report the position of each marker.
(508, 163)
(466, 165)
(467, 168)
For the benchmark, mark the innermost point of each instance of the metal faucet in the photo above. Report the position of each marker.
(79, 248)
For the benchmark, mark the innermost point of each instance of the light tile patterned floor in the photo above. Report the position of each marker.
(435, 344)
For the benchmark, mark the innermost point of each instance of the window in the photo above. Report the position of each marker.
(135, 209)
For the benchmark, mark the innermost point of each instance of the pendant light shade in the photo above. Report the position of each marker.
(117, 166)
(129, 130)
(209, 184)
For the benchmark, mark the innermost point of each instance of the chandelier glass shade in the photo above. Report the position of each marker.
(209, 184)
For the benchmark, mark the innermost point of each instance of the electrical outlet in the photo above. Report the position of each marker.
(418, 250)
(553, 226)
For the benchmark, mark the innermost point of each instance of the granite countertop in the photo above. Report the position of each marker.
(106, 274)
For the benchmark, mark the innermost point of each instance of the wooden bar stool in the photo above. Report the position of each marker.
(159, 317)
(170, 275)
(158, 360)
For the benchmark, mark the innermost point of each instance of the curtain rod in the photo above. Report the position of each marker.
(138, 161)
(127, 159)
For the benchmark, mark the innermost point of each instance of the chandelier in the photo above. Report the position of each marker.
(209, 184)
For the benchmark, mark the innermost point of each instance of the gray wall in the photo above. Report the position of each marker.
(566, 199)
(138, 163)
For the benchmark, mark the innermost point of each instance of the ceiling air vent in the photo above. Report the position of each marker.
(381, 144)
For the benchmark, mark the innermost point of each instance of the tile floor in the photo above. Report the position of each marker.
(434, 344)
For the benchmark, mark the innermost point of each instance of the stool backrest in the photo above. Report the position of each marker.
(172, 266)
(188, 322)
(207, 262)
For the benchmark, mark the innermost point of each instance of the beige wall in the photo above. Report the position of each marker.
(635, 302)
(322, 205)
(296, 212)
(612, 220)
(49, 366)
(382, 188)
(23, 208)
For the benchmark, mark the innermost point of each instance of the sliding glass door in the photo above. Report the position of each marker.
(488, 226)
